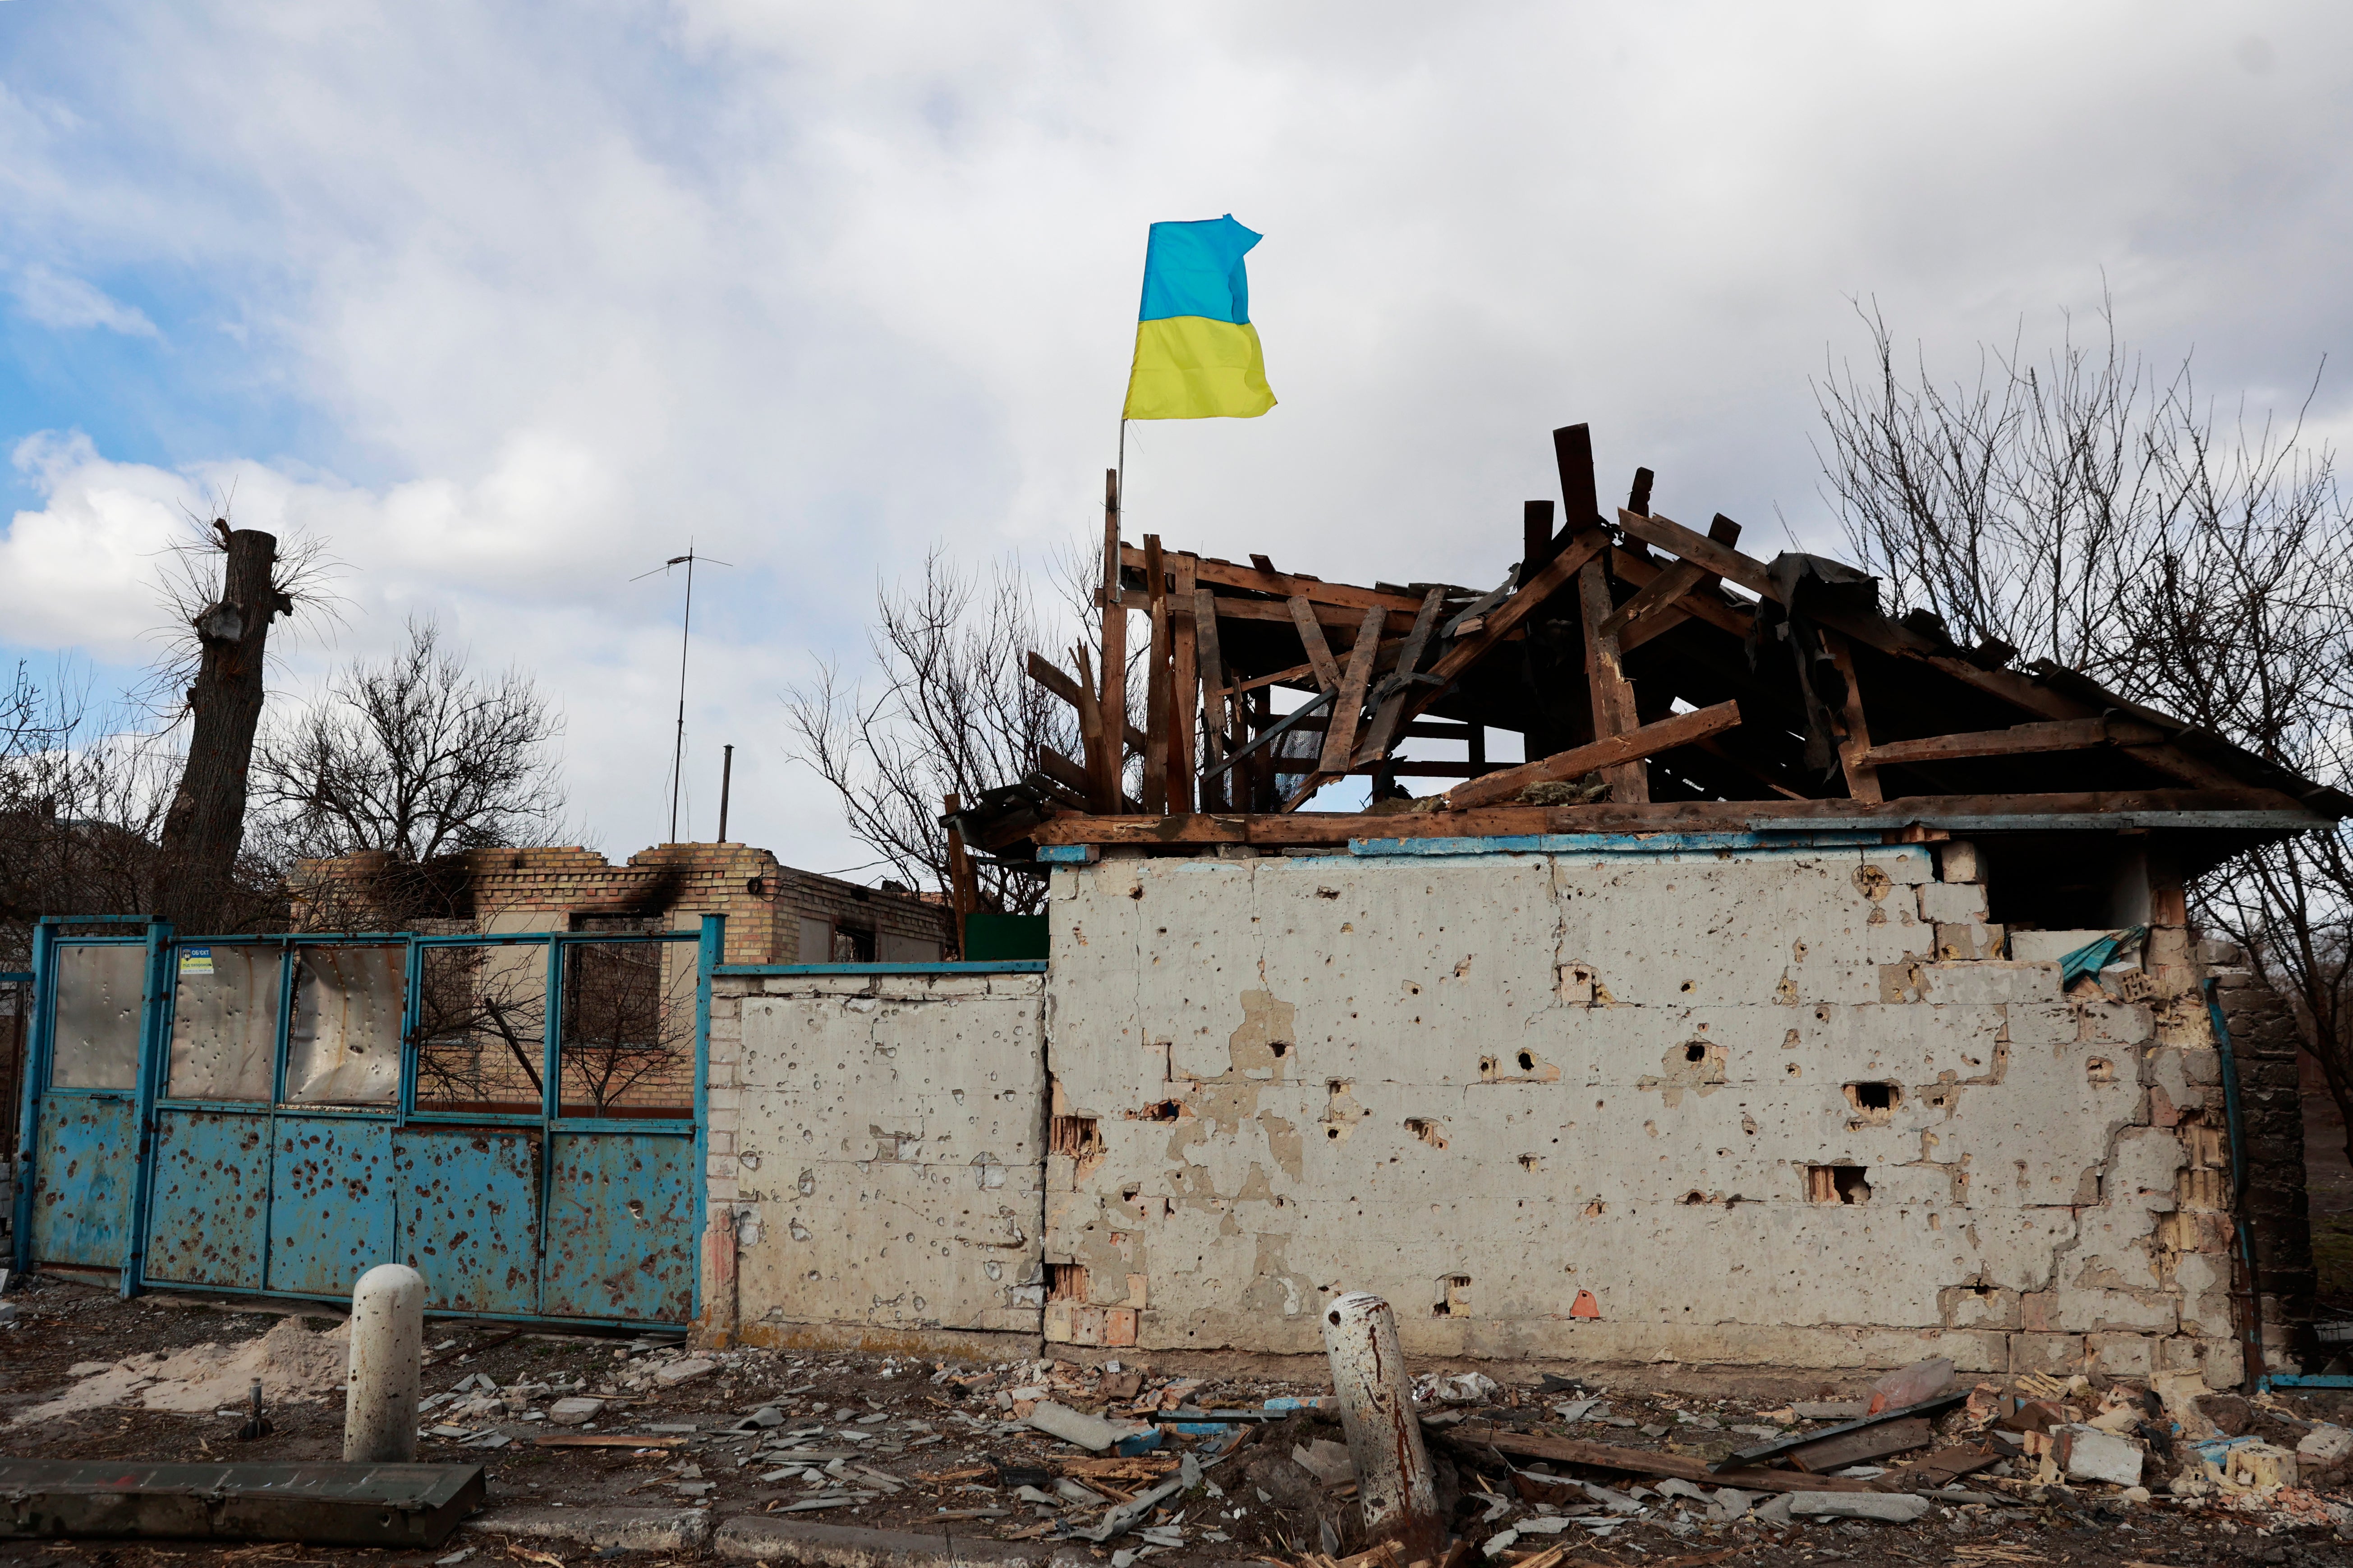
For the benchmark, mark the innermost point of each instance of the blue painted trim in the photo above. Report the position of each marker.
(154, 1057)
(707, 957)
(2305, 1380)
(38, 1030)
(95, 919)
(657, 1127)
(988, 967)
(1625, 843)
(15, 977)
(1069, 854)
(471, 1119)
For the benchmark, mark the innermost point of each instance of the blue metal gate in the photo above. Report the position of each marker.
(519, 1117)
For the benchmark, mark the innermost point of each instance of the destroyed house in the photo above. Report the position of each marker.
(1820, 994)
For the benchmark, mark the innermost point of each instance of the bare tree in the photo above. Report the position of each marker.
(415, 756)
(2091, 513)
(951, 712)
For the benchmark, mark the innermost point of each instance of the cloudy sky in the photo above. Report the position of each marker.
(508, 303)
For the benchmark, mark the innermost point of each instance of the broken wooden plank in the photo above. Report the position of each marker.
(1109, 784)
(1392, 709)
(1679, 730)
(1507, 616)
(1698, 598)
(1890, 637)
(1184, 689)
(1311, 637)
(1213, 699)
(1854, 749)
(1056, 679)
(1265, 579)
(1156, 680)
(1662, 591)
(398, 1506)
(2051, 735)
(1932, 1471)
(1476, 1435)
(605, 1440)
(1347, 708)
(1065, 772)
(1612, 698)
(1835, 1453)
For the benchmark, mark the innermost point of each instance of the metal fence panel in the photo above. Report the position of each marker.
(469, 1204)
(620, 1229)
(84, 1161)
(331, 1203)
(208, 1220)
(100, 994)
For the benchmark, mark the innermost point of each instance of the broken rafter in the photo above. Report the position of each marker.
(1156, 680)
(2056, 735)
(1264, 579)
(1112, 707)
(1682, 729)
(1612, 696)
(1399, 685)
(1854, 749)
(1901, 642)
(1056, 679)
(1319, 652)
(1340, 739)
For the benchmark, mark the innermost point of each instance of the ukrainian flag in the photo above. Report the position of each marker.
(1197, 355)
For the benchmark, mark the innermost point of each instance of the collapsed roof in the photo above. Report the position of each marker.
(1659, 678)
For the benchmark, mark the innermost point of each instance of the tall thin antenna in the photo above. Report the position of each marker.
(685, 630)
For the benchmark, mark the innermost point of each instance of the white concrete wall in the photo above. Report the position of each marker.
(1480, 1085)
(879, 1142)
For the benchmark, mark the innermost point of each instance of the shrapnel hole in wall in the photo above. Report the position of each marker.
(1874, 1102)
(1077, 1136)
(1454, 1296)
(1838, 1183)
(1066, 1282)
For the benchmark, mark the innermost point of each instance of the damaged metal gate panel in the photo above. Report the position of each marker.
(892, 1150)
(81, 1182)
(620, 1227)
(468, 1201)
(208, 1216)
(330, 1202)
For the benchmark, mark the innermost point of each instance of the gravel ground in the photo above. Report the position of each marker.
(879, 1442)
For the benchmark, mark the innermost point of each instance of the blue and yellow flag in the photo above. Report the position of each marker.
(1197, 355)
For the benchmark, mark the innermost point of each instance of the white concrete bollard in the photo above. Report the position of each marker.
(387, 1344)
(1395, 1484)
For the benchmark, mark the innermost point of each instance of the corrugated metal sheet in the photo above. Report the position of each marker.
(208, 1220)
(621, 1232)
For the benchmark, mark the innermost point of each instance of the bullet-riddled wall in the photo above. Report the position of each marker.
(1720, 1099)
(1732, 1104)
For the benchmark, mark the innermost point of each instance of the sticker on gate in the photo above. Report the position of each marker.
(195, 961)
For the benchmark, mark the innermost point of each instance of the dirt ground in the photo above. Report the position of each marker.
(940, 1447)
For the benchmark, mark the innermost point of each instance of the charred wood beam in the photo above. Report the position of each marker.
(1616, 751)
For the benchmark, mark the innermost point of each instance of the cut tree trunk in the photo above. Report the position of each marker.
(205, 825)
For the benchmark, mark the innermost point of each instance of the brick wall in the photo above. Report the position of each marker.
(773, 910)
(2266, 1043)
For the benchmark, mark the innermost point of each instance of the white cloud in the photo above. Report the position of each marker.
(56, 299)
(818, 285)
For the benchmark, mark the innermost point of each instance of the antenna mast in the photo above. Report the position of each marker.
(685, 631)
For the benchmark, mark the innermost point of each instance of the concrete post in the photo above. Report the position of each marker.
(1395, 1484)
(387, 1332)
